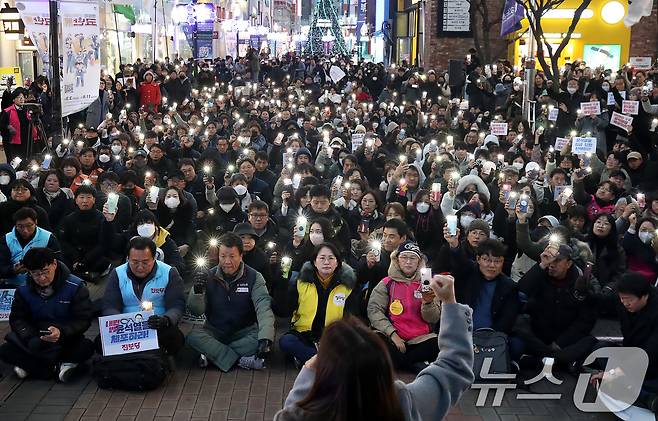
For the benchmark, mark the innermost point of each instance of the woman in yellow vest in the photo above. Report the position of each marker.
(322, 294)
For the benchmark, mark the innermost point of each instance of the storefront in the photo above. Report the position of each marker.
(409, 29)
(600, 38)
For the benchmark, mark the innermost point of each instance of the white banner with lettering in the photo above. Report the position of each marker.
(36, 18)
(80, 50)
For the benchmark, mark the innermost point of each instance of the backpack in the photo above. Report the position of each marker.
(487, 343)
(139, 371)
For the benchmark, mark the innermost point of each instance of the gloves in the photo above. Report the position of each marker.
(34, 344)
(199, 282)
(264, 348)
(159, 322)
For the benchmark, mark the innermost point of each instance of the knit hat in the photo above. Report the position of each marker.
(479, 224)
(550, 219)
(360, 128)
(491, 138)
(303, 151)
(391, 126)
(410, 247)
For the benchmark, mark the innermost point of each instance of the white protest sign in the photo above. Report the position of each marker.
(552, 114)
(6, 300)
(630, 107)
(640, 63)
(611, 99)
(582, 145)
(620, 120)
(463, 105)
(336, 74)
(126, 333)
(560, 143)
(498, 129)
(590, 108)
(357, 140)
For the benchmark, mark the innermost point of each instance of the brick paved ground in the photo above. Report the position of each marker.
(195, 394)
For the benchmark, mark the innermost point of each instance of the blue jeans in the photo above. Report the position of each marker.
(296, 347)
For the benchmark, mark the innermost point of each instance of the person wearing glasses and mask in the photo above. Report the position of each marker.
(49, 316)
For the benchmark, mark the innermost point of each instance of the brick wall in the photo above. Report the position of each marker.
(439, 50)
(644, 36)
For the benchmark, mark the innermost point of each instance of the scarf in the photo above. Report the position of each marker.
(324, 281)
(51, 196)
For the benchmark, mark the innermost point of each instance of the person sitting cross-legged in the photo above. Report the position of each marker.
(239, 325)
(48, 319)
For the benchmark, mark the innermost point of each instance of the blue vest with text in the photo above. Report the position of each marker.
(40, 239)
(154, 290)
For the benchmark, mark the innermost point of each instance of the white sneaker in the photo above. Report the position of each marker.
(65, 371)
(20, 373)
(203, 361)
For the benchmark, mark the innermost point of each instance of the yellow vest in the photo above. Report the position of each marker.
(302, 319)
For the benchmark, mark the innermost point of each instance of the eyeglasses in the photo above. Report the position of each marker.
(25, 226)
(40, 274)
(490, 261)
(327, 258)
(258, 215)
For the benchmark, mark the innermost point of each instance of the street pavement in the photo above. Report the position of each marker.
(207, 394)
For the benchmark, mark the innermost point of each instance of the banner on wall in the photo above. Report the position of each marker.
(80, 50)
(36, 18)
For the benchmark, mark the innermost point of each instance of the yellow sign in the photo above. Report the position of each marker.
(7, 72)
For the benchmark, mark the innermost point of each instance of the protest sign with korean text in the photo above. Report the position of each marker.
(553, 113)
(582, 145)
(126, 333)
(6, 300)
(620, 120)
(357, 140)
(498, 129)
(560, 143)
(590, 108)
(630, 107)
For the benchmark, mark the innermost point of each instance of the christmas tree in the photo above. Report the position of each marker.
(325, 26)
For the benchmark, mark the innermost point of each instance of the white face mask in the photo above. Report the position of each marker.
(340, 129)
(383, 186)
(465, 221)
(572, 90)
(240, 189)
(518, 165)
(300, 121)
(645, 237)
(605, 87)
(4, 180)
(375, 125)
(146, 230)
(226, 207)
(316, 238)
(422, 207)
(116, 149)
(172, 202)
(104, 158)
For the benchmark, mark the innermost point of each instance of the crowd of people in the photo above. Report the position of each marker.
(270, 188)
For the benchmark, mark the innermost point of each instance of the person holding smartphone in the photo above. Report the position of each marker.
(403, 310)
(353, 363)
(49, 316)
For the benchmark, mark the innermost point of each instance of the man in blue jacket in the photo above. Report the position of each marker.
(144, 282)
(49, 316)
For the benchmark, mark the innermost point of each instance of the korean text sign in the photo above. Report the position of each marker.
(126, 333)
